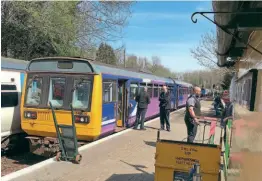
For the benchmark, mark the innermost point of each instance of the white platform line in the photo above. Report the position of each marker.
(82, 148)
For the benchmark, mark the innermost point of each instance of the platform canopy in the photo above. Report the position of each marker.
(242, 18)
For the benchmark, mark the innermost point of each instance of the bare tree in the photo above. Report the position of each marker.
(205, 53)
(102, 21)
(156, 62)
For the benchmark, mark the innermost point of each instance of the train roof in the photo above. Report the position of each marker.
(182, 83)
(113, 70)
(10, 63)
(127, 72)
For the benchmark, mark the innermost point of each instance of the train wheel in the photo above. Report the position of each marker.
(58, 156)
(78, 158)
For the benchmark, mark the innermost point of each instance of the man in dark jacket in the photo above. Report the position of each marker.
(143, 100)
(165, 106)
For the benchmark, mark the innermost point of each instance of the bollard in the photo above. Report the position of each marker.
(158, 135)
(197, 176)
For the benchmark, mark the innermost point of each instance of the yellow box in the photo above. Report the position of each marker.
(176, 158)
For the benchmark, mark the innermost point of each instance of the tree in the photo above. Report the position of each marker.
(205, 53)
(225, 84)
(71, 28)
(106, 54)
(102, 21)
(32, 29)
(132, 62)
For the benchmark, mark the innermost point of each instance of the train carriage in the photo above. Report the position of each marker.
(89, 86)
(183, 91)
(12, 80)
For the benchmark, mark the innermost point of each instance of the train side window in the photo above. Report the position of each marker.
(9, 95)
(133, 91)
(149, 90)
(160, 90)
(6, 87)
(34, 91)
(155, 90)
(141, 88)
(109, 91)
(57, 91)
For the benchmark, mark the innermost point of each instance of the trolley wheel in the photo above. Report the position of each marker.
(78, 158)
(58, 156)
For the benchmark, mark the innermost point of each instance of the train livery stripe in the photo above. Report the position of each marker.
(22, 77)
(108, 122)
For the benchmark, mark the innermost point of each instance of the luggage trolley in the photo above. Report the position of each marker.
(68, 147)
(183, 161)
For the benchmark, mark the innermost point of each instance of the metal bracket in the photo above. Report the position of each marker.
(223, 28)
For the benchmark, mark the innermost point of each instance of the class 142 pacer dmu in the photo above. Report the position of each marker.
(102, 96)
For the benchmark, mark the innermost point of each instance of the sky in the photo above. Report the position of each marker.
(165, 29)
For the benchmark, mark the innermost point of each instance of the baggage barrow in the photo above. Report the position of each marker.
(66, 134)
(174, 159)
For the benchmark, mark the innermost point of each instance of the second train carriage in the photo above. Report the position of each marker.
(12, 80)
(103, 97)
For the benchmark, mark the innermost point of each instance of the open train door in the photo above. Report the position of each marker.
(122, 109)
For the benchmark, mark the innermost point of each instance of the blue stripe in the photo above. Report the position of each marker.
(22, 77)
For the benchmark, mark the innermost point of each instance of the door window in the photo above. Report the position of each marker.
(34, 91)
(57, 91)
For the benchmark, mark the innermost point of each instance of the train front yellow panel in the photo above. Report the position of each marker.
(175, 159)
(44, 125)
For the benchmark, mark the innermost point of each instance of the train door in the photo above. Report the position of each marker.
(122, 112)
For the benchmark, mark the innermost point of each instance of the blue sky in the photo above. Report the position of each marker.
(165, 29)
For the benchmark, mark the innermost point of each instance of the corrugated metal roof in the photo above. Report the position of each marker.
(10, 63)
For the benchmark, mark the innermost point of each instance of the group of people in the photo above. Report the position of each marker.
(193, 111)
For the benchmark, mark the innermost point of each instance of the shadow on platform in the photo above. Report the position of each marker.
(150, 127)
(150, 143)
(133, 176)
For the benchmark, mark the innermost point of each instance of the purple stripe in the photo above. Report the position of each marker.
(108, 128)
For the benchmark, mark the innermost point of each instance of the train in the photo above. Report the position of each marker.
(108, 95)
(12, 81)
(103, 97)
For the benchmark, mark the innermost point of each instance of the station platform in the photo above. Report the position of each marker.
(125, 156)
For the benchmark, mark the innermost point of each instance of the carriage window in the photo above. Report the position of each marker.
(81, 94)
(34, 91)
(8, 87)
(149, 90)
(9, 96)
(133, 91)
(155, 91)
(109, 91)
(57, 91)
